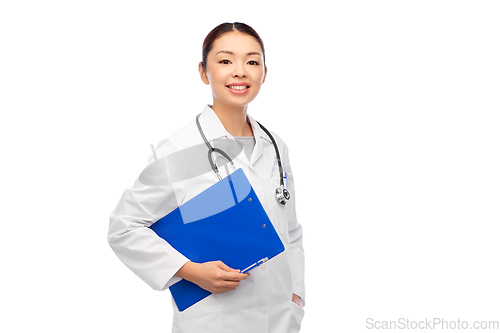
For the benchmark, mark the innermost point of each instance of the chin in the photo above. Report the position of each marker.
(235, 102)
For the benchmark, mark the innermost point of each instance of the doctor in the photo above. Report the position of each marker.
(271, 297)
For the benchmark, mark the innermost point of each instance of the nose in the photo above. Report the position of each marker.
(239, 71)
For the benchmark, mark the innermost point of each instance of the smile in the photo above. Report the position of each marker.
(238, 88)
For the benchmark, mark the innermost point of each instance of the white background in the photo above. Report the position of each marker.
(390, 110)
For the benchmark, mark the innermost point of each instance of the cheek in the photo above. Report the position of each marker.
(216, 75)
(216, 83)
(257, 73)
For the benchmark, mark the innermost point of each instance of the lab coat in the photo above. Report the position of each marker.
(262, 302)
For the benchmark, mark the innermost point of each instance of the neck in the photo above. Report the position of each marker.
(234, 119)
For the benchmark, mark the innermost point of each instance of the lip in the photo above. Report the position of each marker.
(238, 92)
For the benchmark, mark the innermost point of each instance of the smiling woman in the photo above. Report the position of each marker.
(233, 64)
(272, 297)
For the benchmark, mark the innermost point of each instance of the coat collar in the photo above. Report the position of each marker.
(214, 129)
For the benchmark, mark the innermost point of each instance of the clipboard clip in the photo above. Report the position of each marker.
(257, 264)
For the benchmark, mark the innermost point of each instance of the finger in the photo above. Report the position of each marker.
(234, 276)
(226, 286)
(224, 267)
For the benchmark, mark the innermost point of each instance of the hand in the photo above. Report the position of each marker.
(214, 276)
(297, 300)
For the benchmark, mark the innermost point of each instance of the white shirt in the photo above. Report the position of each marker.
(262, 302)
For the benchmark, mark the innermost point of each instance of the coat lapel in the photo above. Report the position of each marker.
(214, 129)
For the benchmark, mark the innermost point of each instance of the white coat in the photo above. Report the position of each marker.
(262, 303)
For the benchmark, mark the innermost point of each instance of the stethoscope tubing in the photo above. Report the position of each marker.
(220, 151)
(282, 183)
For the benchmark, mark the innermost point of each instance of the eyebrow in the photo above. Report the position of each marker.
(229, 52)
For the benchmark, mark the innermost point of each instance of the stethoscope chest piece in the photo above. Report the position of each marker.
(282, 195)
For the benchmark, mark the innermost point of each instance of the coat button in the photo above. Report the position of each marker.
(263, 310)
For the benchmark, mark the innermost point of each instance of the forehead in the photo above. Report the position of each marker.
(237, 43)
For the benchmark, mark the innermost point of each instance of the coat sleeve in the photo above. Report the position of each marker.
(296, 249)
(136, 245)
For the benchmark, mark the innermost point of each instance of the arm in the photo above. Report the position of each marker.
(296, 250)
(149, 256)
(136, 245)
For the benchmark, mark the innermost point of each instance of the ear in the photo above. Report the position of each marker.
(203, 74)
(265, 73)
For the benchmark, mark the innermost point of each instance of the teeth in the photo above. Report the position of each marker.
(238, 87)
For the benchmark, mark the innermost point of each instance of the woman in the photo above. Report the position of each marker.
(271, 298)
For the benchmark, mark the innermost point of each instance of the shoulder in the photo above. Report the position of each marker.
(283, 147)
(280, 142)
(182, 138)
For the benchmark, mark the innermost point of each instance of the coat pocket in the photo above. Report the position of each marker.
(209, 320)
(296, 319)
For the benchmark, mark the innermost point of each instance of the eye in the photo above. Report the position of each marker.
(225, 61)
(253, 62)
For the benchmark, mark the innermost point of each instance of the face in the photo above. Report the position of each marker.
(234, 69)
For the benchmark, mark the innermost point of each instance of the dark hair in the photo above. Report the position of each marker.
(223, 28)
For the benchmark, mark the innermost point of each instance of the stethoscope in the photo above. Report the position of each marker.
(282, 194)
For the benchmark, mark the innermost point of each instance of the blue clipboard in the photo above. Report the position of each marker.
(225, 222)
